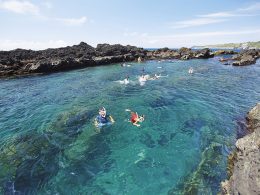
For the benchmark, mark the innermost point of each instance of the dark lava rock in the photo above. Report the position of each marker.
(147, 140)
(21, 61)
(245, 177)
(183, 53)
(246, 57)
(245, 60)
(119, 50)
(204, 53)
(163, 140)
(224, 52)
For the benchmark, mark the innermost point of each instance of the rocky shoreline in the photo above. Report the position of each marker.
(245, 162)
(24, 62)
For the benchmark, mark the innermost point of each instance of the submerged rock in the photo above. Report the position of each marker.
(245, 175)
(203, 177)
(31, 159)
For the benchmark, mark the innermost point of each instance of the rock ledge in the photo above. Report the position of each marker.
(245, 178)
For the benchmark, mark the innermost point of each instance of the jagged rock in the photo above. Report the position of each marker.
(21, 61)
(204, 53)
(224, 52)
(246, 176)
(108, 59)
(183, 54)
(245, 60)
(184, 51)
(246, 57)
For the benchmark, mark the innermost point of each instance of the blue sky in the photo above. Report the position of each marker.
(35, 24)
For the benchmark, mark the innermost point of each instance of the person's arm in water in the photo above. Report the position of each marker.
(135, 123)
(111, 119)
(96, 121)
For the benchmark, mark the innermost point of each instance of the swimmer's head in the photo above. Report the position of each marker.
(141, 118)
(102, 112)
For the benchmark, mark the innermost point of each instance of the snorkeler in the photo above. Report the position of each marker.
(103, 118)
(135, 118)
(190, 70)
(155, 77)
(126, 80)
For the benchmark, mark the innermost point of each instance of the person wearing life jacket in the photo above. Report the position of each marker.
(103, 118)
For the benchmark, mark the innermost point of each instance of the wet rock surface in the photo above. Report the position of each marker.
(246, 164)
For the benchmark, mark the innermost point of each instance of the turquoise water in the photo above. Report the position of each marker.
(49, 144)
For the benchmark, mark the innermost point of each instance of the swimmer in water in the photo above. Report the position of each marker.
(103, 118)
(135, 118)
(126, 80)
(190, 70)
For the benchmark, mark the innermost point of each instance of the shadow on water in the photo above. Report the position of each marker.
(30, 160)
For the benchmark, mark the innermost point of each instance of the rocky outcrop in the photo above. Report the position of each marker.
(246, 57)
(224, 52)
(21, 62)
(245, 60)
(183, 54)
(246, 164)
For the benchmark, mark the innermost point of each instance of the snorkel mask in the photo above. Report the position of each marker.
(141, 118)
(102, 112)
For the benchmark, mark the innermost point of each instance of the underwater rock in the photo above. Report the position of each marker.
(172, 136)
(145, 163)
(205, 176)
(147, 140)
(192, 125)
(163, 140)
(70, 123)
(246, 164)
(30, 159)
(95, 159)
(161, 102)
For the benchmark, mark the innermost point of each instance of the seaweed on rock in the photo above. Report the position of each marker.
(208, 173)
(203, 175)
(30, 160)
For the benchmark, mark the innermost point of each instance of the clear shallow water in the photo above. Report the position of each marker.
(50, 146)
